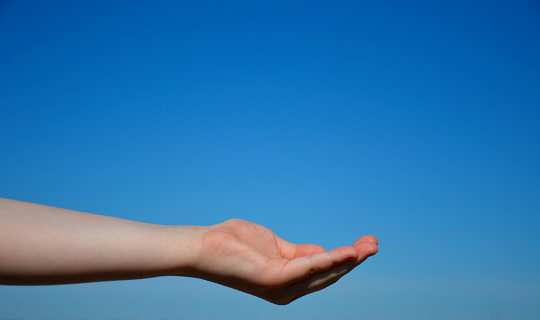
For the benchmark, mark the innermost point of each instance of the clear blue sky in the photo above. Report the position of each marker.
(415, 121)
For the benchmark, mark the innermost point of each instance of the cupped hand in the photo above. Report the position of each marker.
(251, 258)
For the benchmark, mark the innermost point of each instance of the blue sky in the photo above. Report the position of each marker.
(415, 121)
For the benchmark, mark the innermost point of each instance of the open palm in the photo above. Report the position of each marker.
(251, 258)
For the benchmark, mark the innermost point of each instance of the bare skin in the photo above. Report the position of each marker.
(46, 245)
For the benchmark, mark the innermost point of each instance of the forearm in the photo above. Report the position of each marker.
(46, 245)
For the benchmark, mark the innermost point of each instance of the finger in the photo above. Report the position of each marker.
(319, 281)
(322, 277)
(368, 238)
(287, 249)
(306, 266)
(307, 274)
(291, 251)
(365, 249)
(307, 249)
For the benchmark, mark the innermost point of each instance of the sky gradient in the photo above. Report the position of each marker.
(415, 121)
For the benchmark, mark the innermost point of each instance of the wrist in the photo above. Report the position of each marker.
(181, 245)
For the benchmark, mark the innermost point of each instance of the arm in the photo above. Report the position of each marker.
(47, 245)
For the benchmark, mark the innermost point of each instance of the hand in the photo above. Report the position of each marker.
(251, 258)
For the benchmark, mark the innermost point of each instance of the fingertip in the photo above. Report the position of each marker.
(371, 238)
(366, 248)
(374, 248)
(368, 238)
